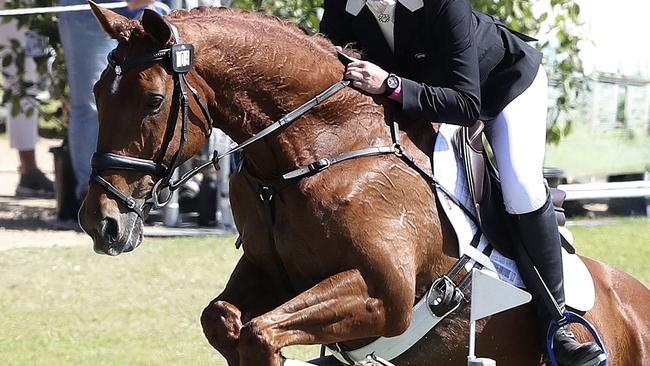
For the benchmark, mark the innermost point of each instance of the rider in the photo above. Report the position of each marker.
(441, 61)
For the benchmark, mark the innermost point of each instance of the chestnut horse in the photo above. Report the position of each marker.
(360, 242)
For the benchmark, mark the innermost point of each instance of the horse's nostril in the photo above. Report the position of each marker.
(108, 229)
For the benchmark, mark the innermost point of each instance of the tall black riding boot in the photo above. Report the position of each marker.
(541, 242)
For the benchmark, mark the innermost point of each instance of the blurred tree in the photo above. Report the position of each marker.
(302, 12)
(50, 64)
(561, 24)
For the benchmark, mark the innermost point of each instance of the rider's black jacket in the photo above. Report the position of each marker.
(456, 64)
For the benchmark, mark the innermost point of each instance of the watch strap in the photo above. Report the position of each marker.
(389, 90)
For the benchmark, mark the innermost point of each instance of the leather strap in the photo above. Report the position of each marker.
(107, 161)
(128, 201)
(322, 164)
(121, 68)
(284, 121)
(289, 117)
(395, 135)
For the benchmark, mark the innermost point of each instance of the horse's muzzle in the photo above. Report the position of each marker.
(116, 235)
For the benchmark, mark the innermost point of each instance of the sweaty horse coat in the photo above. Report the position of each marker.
(361, 241)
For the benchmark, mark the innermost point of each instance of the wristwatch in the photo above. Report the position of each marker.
(391, 83)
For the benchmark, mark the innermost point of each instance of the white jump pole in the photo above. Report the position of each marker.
(58, 9)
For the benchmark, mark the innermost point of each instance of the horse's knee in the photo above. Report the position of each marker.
(397, 310)
(252, 337)
(221, 324)
(256, 346)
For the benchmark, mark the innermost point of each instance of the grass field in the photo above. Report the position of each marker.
(624, 245)
(69, 306)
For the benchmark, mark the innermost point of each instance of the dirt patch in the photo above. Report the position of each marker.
(32, 223)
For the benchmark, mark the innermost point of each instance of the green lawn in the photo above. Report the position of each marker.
(624, 245)
(69, 306)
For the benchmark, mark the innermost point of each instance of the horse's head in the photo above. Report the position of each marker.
(141, 127)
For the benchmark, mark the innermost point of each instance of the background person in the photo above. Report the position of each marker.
(86, 47)
(23, 128)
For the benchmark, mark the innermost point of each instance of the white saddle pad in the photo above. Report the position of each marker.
(448, 170)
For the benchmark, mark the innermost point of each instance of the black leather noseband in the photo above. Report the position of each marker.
(101, 162)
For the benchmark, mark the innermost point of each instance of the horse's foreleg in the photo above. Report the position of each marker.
(247, 294)
(221, 323)
(336, 309)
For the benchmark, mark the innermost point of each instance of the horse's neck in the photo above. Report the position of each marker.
(256, 81)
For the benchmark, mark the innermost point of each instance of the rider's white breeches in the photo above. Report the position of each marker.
(518, 139)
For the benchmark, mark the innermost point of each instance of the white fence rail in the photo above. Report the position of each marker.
(58, 9)
(606, 190)
(586, 191)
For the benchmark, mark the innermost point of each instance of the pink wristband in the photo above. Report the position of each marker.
(397, 93)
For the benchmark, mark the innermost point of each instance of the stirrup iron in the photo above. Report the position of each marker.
(569, 318)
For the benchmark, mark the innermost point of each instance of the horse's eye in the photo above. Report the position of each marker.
(154, 101)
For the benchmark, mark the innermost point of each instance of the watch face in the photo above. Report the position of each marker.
(392, 81)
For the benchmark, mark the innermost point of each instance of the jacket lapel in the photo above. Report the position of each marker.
(367, 30)
(407, 23)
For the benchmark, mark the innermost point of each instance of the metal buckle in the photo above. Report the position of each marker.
(443, 296)
(398, 149)
(374, 360)
(130, 203)
(319, 165)
(266, 193)
(215, 159)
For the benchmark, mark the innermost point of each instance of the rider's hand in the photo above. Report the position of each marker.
(366, 76)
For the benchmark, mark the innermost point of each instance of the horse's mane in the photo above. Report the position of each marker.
(253, 20)
(252, 23)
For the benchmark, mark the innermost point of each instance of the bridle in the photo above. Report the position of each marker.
(181, 59)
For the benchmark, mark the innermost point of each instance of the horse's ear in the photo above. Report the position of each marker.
(114, 24)
(154, 24)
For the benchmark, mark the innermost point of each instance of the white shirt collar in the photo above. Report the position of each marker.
(354, 6)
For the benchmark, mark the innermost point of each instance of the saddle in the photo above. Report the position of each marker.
(485, 190)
